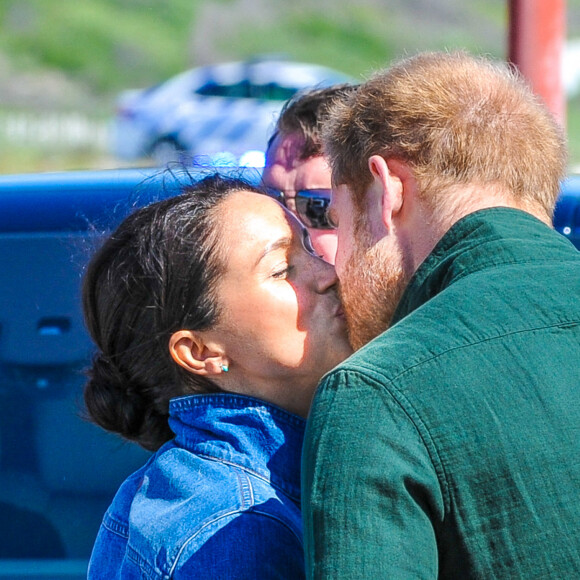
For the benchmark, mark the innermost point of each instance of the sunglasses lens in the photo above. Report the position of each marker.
(311, 206)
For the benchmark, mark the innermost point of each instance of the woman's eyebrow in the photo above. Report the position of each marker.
(281, 243)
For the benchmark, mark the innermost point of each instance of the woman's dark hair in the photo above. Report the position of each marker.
(154, 275)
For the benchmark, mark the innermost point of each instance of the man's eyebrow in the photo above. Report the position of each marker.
(281, 243)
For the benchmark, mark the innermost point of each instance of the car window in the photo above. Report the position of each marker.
(245, 89)
(273, 92)
(239, 90)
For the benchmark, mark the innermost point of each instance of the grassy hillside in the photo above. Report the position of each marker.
(102, 44)
(107, 45)
(76, 55)
(357, 36)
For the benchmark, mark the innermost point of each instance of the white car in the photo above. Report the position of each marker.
(229, 107)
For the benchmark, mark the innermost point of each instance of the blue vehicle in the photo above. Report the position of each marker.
(58, 472)
(229, 106)
(567, 214)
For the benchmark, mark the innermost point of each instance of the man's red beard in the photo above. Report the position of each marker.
(371, 288)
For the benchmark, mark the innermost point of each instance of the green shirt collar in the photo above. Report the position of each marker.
(483, 239)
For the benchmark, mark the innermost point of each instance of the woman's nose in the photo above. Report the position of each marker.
(325, 275)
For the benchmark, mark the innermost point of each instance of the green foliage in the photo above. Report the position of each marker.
(351, 45)
(358, 38)
(107, 44)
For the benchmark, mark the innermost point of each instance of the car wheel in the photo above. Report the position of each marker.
(166, 151)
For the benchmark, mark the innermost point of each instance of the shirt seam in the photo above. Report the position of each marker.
(113, 525)
(473, 343)
(495, 263)
(283, 523)
(249, 508)
(247, 501)
(235, 401)
(221, 517)
(286, 492)
(243, 508)
(486, 267)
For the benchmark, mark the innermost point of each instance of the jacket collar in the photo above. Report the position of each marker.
(484, 239)
(246, 432)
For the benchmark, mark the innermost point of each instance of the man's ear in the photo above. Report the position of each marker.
(390, 178)
(189, 350)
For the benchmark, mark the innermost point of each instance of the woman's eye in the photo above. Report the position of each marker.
(282, 272)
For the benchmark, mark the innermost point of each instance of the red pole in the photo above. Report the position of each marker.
(537, 30)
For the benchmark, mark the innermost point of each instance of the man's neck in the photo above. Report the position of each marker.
(431, 221)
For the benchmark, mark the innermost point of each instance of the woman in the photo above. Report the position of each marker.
(214, 322)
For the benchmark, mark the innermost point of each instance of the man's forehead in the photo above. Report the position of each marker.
(285, 150)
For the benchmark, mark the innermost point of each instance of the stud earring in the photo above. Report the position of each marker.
(225, 368)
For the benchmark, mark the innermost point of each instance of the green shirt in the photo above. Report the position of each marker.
(449, 447)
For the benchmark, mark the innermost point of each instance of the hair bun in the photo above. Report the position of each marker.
(111, 400)
(119, 405)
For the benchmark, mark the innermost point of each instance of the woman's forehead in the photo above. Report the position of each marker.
(246, 215)
(248, 204)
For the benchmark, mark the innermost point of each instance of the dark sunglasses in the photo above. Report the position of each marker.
(311, 206)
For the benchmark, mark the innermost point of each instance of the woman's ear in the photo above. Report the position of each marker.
(188, 350)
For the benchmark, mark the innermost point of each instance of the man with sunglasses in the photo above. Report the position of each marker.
(296, 172)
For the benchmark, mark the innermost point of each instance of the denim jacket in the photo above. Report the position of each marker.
(220, 501)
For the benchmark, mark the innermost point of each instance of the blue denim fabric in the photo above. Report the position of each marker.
(220, 501)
